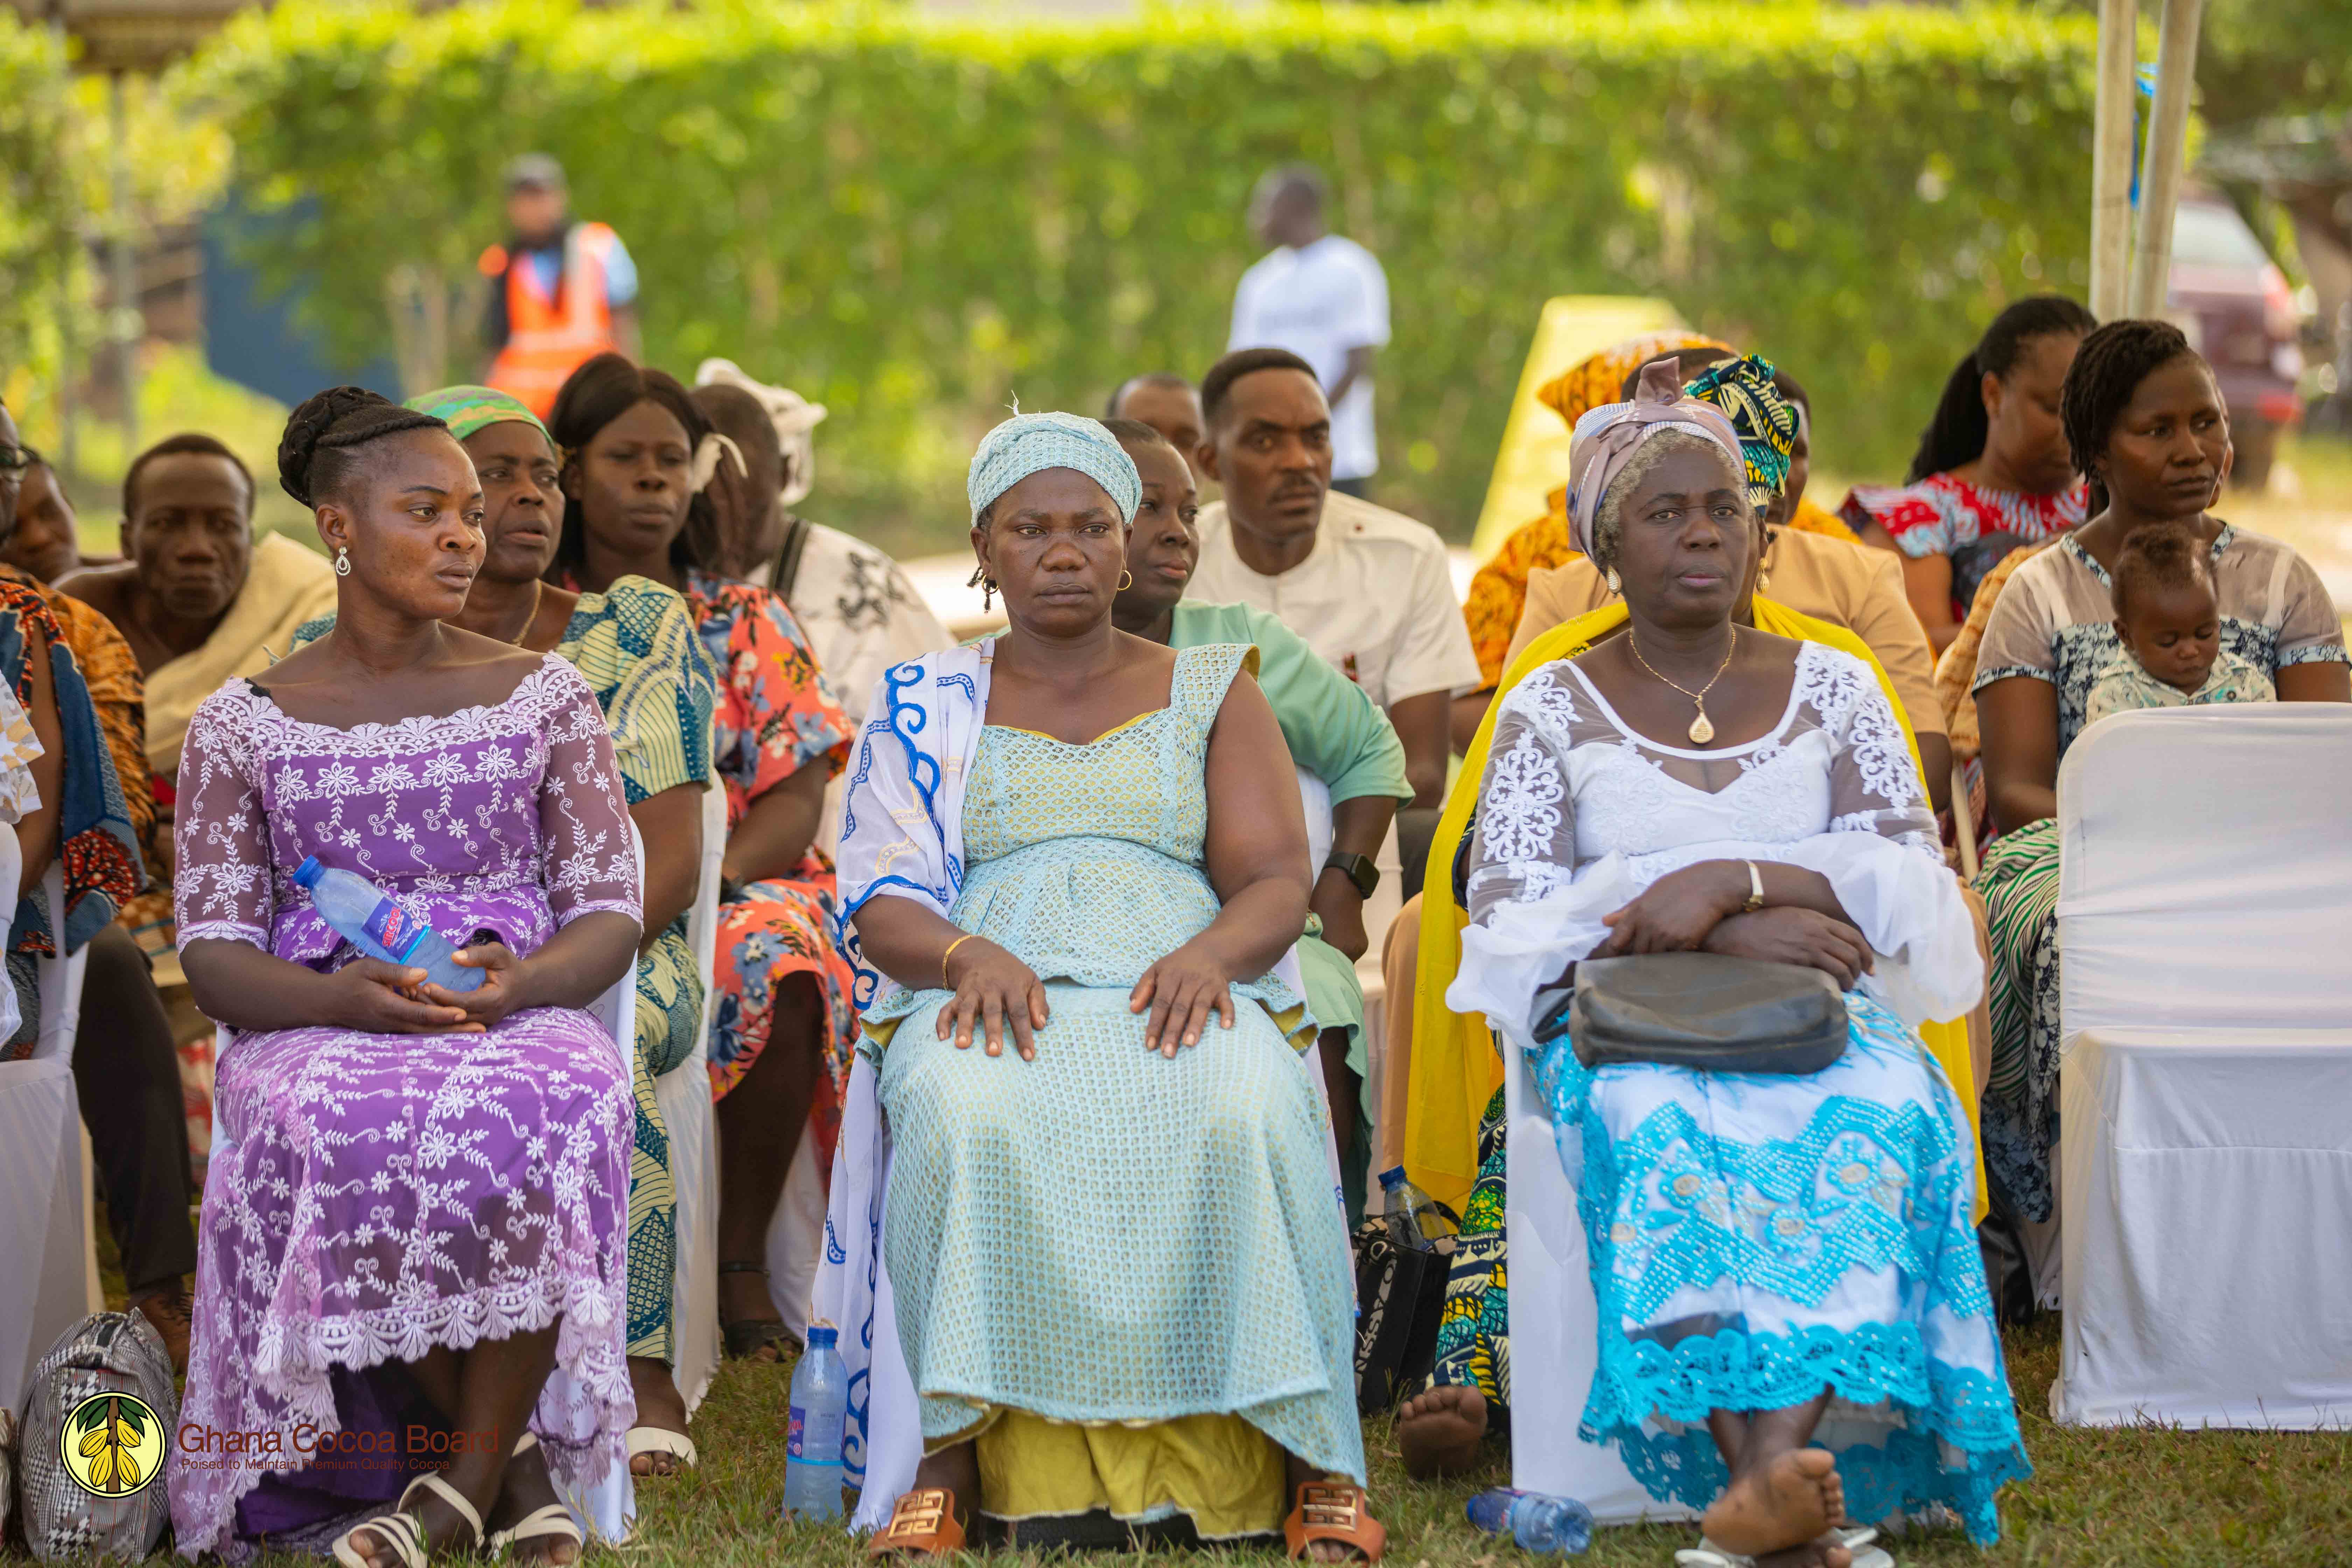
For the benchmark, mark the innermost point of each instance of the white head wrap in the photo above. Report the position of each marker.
(1028, 444)
(794, 418)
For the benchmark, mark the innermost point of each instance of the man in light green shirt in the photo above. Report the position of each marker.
(1337, 735)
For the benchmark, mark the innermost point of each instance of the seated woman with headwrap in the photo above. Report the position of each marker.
(1778, 1261)
(1454, 1068)
(1121, 1278)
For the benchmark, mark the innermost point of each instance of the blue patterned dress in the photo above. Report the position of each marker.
(1105, 1236)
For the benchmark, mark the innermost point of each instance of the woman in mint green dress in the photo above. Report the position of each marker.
(1073, 861)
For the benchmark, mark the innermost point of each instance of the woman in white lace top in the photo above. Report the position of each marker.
(1779, 1260)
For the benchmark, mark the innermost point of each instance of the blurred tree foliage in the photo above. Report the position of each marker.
(2257, 58)
(913, 220)
(37, 274)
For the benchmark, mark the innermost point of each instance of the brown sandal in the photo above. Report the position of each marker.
(922, 1524)
(1335, 1510)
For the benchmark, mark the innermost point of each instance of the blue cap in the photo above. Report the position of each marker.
(307, 873)
(1393, 1176)
(822, 1335)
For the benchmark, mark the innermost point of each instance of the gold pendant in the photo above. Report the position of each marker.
(1701, 732)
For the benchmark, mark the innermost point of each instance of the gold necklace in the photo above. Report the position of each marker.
(1701, 730)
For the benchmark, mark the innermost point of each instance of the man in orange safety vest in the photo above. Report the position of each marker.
(561, 292)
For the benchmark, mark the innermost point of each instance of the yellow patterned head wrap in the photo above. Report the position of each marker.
(1596, 380)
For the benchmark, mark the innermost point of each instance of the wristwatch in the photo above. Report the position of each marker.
(1357, 869)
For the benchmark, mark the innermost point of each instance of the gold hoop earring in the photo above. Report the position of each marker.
(1126, 580)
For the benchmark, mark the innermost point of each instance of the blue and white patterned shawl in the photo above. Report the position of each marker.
(902, 821)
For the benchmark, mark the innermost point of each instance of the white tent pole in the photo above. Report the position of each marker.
(2112, 152)
(2168, 147)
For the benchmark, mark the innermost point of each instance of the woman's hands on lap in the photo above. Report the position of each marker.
(995, 993)
(1786, 934)
(494, 998)
(1181, 990)
(380, 998)
(1676, 912)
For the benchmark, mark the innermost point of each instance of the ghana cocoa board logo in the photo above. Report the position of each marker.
(112, 1445)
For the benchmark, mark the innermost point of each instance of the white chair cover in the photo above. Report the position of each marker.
(684, 1095)
(46, 1201)
(1555, 1321)
(2205, 915)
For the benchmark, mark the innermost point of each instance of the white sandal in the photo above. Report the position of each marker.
(662, 1440)
(1707, 1554)
(554, 1520)
(1854, 1539)
(1858, 1540)
(402, 1532)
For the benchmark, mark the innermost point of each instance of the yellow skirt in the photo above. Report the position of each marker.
(1218, 1471)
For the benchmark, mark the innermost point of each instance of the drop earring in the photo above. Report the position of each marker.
(1616, 585)
(342, 562)
(1126, 580)
(981, 580)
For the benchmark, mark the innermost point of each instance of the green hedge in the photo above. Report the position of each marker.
(36, 247)
(913, 220)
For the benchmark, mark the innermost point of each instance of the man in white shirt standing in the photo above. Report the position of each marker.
(1324, 297)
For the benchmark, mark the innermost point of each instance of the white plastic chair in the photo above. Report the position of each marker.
(684, 1095)
(47, 1232)
(1555, 1320)
(2205, 1151)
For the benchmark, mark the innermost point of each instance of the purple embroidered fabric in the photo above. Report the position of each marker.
(373, 1197)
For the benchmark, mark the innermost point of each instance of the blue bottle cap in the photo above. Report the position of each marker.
(1393, 1176)
(822, 1335)
(307, 874)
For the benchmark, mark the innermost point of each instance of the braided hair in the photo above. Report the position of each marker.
(600, 392)
(2107, 370)
(318, 454)
(1956, 433)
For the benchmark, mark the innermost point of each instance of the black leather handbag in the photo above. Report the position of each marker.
(1700, 1010)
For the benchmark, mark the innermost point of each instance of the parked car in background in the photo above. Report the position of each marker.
(2234, 304)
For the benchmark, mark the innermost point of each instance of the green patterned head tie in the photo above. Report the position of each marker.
(465, 409)
(1766, 422)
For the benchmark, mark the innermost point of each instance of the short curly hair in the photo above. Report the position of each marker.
(2108, 369)
(1608, 527)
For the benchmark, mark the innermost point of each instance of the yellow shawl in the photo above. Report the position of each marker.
(1455, 1068)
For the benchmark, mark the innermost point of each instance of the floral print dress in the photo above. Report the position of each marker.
(776, 715)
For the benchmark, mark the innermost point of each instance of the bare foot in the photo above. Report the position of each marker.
(1437, 1433)
(1825, 1552)
(525, 1489)
(1788, 1501)
(658, 1405)
(445, 1533)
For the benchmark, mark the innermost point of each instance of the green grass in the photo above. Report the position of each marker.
(2099, 1497)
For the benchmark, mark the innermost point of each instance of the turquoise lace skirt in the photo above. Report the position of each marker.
(1757, 1239)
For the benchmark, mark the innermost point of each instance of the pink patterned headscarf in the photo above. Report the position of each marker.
(1607, 438)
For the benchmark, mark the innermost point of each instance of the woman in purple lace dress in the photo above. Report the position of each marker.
(417, 1201)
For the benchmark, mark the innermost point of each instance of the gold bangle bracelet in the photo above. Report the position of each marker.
(1755, 892)
(950, 954)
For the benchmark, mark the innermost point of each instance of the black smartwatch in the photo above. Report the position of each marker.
(1357, 869)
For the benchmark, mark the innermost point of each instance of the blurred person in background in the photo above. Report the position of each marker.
(94, 812)
(1325, 299)
(1993, 472)
(638, 458)
(1170, 405)
(860, 612)
(1368, 588)
(200, 602)
(46, 545)
(562, 291)
(1335, 735)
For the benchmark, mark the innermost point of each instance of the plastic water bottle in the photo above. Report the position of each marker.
(1556, 1526)
(813, 1444)
(381, 929)
(1412, 1220)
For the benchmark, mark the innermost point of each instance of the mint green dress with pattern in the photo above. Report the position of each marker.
(1104, 1234)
